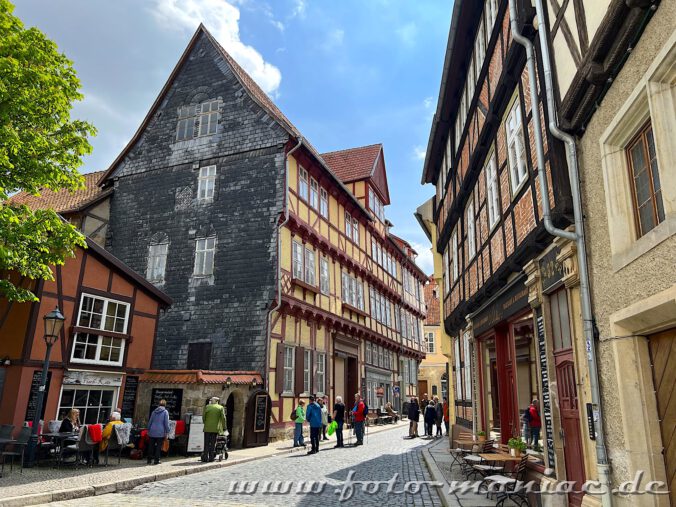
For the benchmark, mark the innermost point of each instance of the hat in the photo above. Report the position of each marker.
(215, 399)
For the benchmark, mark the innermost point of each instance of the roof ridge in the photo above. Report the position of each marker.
(350, 149)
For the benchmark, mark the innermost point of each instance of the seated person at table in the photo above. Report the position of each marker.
(115, 418)
(390, 411)
(71, 423)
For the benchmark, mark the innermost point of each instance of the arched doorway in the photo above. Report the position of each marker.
(234, 415)
(230, 416)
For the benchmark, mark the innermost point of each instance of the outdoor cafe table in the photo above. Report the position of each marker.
(499, 456)
(59, 438)
(466, 441)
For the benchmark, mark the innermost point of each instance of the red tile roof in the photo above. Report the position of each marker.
(354, 163)
(200, 377)
(433, 316)
(62, 201)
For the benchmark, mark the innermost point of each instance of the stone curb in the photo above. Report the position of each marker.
(127, 484)
(437, 476)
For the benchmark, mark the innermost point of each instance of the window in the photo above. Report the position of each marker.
(516, 147)
(103, 314)
(435, 391)
(321, 373)
(186, 123)
(406, 376)
(205, 249)
(645, 181)
(492, 196)
(324, 277)
(297, 260)
(93, 348)
(207, 118)
(353, 291)
(310, 267)
(157, 261)
(348, 225)
(430, 343)
(307, 369)
(206, 183)
(314, 193)
(288, 369)
(446, 269)
(199, 356)
(95, 404)
(558, 308)
(323, 203)
(454, 252)
(355, 230)
(471, 230)
(360, 294)
(302, 183)
(376, 205)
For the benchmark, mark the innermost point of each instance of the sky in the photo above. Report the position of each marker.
(347, 73)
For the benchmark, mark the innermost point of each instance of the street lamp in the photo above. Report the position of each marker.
(53, 324)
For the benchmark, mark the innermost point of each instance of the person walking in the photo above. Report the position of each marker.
(439, 415)
(339, 417)
(446, 420)
(158, 429)
(358, 416)
(429, 416)
(325, 417)
(314, 417)
(535, 423)
(413, 416)
(299, 419)
(214, 425)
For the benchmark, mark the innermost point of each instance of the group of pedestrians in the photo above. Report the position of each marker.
(318, 418)
(434, 413)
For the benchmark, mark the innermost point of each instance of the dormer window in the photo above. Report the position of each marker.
(197, 121)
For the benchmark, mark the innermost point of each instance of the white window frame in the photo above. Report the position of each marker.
(314, 194)
(297, 259)
(323, 202)
(355, 230)
(471, 229)
(78, 338)
(157, 261)
(516, 147)
(307, 371)
(206, 118)
(368, 356)
(492, 191)
(206, 184)
(454, 251)
(104, 313)
(288, 369)
(83, 408)
(431, 346)
(202, 249)
(303, 184)
(310, 267)
(100, 338)
(348, 225)
(321, 373)
(324, 275)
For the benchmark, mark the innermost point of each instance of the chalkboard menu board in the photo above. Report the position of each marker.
(261, 413)
(546, 397)
(174, 398)
(33, 399)
(129, 397)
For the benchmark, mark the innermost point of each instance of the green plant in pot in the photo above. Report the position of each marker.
(516, 446)
(481, 436)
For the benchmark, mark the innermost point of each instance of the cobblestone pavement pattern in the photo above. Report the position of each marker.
(386, 456)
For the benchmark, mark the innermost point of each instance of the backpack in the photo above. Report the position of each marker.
(294, 414)
(526, 415)
(366, 410)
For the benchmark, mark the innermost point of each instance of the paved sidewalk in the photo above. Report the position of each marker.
(47, 484)
(438, 459)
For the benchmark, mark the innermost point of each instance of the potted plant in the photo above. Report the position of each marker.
(516, 446)
(481, 436)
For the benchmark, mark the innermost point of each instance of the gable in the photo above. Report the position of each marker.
(379, 178)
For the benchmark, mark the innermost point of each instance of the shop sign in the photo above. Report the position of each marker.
(551, 270)
(546, 397)
(380, 392)
(86, 378)
(502, 307)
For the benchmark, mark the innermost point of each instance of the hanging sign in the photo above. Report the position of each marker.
(546, 397)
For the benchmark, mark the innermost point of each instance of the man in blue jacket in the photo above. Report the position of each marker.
(314, 417)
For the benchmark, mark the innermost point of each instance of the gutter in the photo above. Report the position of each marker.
(285, 212)
(577, 234)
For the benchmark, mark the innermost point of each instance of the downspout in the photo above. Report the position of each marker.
(578, 234)
(285, 211)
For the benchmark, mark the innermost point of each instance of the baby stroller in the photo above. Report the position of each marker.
(222, 447)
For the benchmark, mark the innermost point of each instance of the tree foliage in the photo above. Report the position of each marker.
(41, 146)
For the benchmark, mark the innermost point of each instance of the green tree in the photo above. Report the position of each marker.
(41, 146)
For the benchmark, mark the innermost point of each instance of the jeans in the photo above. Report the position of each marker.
(298, 435)
(446, 424)
(324, 432)
(359, 431)
(413, 429)
(535, 434)
(209, 453)
(428, 429)
(339, 434)
(154, 449)
(314, 438)
(439, 432)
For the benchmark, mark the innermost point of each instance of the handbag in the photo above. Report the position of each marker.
(165, 445)
(136, 454)
(332, 428)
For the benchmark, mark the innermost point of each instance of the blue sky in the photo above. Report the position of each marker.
(347, 73)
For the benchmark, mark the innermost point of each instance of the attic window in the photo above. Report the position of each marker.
(197, 121)
(376, 205)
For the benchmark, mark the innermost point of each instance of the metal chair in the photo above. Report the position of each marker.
(6, 430)
(18, 449)
(474, 459)
(81, 448)
(119, 440)
(510, 485)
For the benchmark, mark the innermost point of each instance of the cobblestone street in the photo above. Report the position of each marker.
(386, 456)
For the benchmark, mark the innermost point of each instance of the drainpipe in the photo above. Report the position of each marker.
(577, 234)
(285, 211)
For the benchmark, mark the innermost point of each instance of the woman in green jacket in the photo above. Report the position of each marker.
(299, 419)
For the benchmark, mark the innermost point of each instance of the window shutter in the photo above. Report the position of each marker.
(279, 371)
(298, 373)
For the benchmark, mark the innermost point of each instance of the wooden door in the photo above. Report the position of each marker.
(257, 422)
(422, 388)
(663, 357)
(570, 422)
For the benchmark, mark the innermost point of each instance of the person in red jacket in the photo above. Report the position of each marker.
(535, 423)
(358, 417)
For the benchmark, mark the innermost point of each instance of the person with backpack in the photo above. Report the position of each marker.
(359, 412)
(339, 417)
(314, 417)
(298, 417)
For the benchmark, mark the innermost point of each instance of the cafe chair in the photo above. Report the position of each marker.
(53, 426)
(510, 485)
(470, 460)
(118, 441)
(18, 449)
(82, 448)
(6, 431)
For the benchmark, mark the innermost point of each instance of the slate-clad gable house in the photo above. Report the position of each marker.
(278, 260)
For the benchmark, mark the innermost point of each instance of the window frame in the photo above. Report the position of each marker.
(307, 371)
(492, 191)
(430, 340)
(314, 194)
(455, 254)
(324, 275)
(303, 184)
(471, 229)
(348, 226)
(297, 263)
(206, 179)
(99, 346)
(104, 313)
(321, 373)
(323, 202)
(310, 267)
(203, 273)
(288, 370)
(516, 179)
(84, 408)
(152, 267)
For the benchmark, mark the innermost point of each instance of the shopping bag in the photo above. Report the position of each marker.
(165, 445)
(332, 428)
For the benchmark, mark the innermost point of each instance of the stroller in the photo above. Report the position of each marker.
(222, 446)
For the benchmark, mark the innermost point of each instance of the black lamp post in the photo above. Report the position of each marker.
(53, 324)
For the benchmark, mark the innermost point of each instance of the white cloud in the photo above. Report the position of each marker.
(299, 9)
(407, 33)
(425, 260)
(334, 39)
(222, 19)
(428, 102)
(419, 153)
